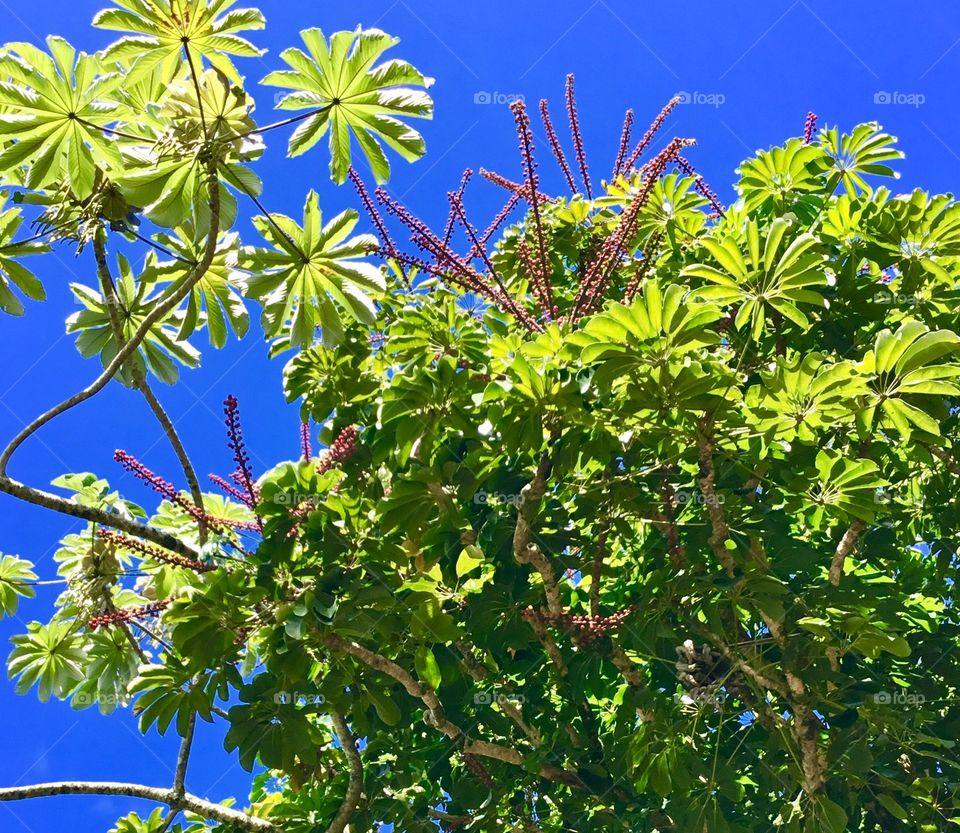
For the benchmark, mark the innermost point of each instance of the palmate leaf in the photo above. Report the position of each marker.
(906, 363)
(311, 274)
(159, 353)
(804, 395)
(660, 324)
(16, 576)
(50, 657)
(353, 98)
(170, 182)
(215, 299)
(163, 31)
(781, 177)
(55, 106)
(12, 272)
(762, 281)
(864, 152)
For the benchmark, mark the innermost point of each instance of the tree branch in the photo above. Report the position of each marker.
(355, 788)
(99, 516)
(113, 303)
(718, 522)
(202, 807)
(844, 548)
(160, 311)
(435, 716)
(526, 551)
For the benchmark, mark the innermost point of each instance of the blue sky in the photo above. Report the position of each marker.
(752, 70)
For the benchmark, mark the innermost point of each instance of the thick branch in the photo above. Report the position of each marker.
(89, 513)
(207, 809)
(718, 522)
(844, 548)
(526, 551)
(355, 788)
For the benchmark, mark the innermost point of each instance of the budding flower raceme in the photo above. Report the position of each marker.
(154, 552)
(809, 127)
(123, 617)
(342, 449)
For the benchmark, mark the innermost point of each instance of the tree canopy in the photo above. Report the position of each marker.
(633, 511)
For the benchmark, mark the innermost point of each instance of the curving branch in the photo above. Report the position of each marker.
(355, 788)
(161, 795)
(435, 715)
(140, 381)
(159, 312)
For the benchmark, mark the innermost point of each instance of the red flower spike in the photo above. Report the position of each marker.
(123, 617)
(810, 127)
(624, 144)
(244, 474)
(701, 185)
(305, 450)
(577, 137)
(651, 133)
(377, 219)
(154, 552)
(555, 145)
(533, 186)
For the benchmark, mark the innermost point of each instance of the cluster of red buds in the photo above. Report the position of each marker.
(125, 617)
(585, 630)
(475, 272)
(305, 451)
(167, 490)
(342, 449)
(809, 128)
(650, 135)
(479, 770)
(703, 189)
(156, 553)
(577, 136)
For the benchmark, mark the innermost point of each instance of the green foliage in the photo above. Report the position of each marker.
(161, 351)
(311, 272)
(352, 97)
(16, 576)
(674, 549)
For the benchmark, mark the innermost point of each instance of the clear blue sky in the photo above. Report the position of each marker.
(758, 67)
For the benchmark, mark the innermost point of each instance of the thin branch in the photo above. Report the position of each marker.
(435, 716)
(284, 123)
(196, 87)
(355, 788)
(159, 312)
(183, 757)
(161, 795)
(140, 380)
